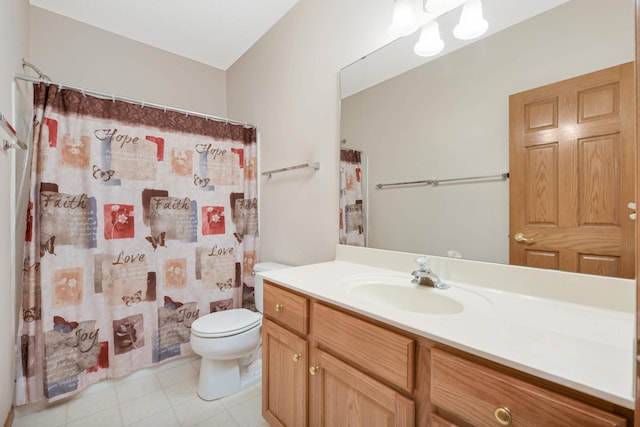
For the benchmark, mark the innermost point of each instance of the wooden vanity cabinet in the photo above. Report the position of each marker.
(326, 366)
(330, 377)
(285, 358)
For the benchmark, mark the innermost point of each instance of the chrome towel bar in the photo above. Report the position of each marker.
(315, 165)
(502, 176)
(15, 142)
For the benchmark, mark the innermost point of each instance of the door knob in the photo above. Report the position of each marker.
(314, 369)
(279, 307)
(633, 207)
(520, 237)
(296, 357)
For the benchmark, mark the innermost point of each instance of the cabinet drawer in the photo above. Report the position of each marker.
(381, 352)
(438, 421)
(287, 308)
(480, 395)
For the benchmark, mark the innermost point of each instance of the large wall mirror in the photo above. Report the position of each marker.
(448, 118)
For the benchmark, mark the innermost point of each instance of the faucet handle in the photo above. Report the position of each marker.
(422, 261)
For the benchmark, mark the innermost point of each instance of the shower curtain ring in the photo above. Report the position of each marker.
(83, 94)
(113, 97)
(165, 108)
(141, 104)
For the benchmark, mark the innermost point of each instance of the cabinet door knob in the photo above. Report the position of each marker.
(314, 369)
(296, 357)
(279, 307)
(503, 415)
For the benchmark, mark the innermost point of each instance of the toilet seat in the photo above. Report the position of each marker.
(226, 323)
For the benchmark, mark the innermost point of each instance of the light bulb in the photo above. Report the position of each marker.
(430, 43)
(471, 24)
(404, 20)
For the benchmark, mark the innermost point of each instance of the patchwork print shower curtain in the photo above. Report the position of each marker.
(352, 215)
(139, 221)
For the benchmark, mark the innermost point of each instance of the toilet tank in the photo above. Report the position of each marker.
(258, 286)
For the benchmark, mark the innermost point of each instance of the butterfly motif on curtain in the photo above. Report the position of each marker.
(133, 299)
(61, 325)
(74, 146)
(102, 174)
(171, 304)
(157, 241)
(30, 314)
(200, 182)
(48, 246)
(27, 266)
(226, 285)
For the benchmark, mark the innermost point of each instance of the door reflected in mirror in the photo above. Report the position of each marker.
(449, 118)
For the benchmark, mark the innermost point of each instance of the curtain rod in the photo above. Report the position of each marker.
(113, 97)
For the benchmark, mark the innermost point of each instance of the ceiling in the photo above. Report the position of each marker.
(398, 57)
(189, 28)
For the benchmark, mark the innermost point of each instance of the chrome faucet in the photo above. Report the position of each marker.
(423, 276)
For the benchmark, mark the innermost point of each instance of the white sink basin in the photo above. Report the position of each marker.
(398, 293)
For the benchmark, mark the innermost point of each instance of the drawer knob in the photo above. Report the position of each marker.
(279, 307)
(314, 369)
(296, 357)
(503, 415)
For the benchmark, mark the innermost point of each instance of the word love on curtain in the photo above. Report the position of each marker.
(352, 215)
(139, 222)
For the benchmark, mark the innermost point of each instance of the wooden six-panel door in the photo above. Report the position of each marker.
(572, 174)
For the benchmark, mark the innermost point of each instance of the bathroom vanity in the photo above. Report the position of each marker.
(347, 343)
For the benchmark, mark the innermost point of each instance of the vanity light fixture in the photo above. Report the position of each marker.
(410, 15)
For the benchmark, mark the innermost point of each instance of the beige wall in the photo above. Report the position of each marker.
(450, 118)
(14, 44)
(81, 55)
(288, 84)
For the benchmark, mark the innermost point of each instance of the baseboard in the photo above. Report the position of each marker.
(9, 421)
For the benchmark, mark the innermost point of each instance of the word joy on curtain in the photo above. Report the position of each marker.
(139, 222)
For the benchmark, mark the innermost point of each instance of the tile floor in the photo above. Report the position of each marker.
(161, 397)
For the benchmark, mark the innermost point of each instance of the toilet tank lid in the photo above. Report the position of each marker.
(266, 266)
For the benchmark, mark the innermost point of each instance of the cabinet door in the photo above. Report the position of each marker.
(284, 376)
(340, 395)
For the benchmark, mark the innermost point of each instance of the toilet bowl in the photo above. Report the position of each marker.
(229, 343)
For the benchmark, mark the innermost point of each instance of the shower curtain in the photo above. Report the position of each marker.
(352, 215)
(139, 221)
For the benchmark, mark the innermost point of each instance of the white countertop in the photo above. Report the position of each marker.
(586, 348)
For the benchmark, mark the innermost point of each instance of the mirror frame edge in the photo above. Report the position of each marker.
(637, 353)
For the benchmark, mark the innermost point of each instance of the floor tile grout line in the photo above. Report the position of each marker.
(115, 388)
(171, 405)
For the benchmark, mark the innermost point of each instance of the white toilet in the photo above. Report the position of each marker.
(230, 345)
